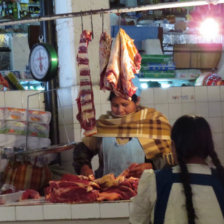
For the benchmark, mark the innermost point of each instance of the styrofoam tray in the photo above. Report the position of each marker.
(12, 197)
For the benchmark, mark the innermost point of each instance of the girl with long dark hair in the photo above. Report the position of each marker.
(190, 192)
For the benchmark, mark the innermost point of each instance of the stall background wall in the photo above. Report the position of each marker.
(173, 102)
(207, 101)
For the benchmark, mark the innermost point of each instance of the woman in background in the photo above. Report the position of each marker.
(127, 134)
(190, 192)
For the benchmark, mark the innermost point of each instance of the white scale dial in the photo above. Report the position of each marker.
(39, 62)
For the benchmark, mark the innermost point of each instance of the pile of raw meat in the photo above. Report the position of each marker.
(78, 188)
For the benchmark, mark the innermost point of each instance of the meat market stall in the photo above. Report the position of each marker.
(105, 200)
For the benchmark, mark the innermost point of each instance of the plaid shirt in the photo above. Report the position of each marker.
(148, 125)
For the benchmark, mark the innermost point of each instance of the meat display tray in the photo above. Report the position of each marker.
(11, 197)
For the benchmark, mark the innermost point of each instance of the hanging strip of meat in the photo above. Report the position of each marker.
(104, 55)
(85, 100)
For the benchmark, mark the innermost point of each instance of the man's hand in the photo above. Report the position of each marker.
(86, 170)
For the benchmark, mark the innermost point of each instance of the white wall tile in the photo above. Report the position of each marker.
(175, 110)
(36, 100)
(215, 124)
(104, 108)
(13, 99)
(222, 93)
(222, 109)
(222, 120)
(213, 93)
(220, 153)
(150, 105)
(104, 95)
(7, 213)
(214, 109)
(110, 210)
(218, 140)
(187, 94)
(163, 108)
(172, 121)
(85, 211)
(147, 97)
(201, 93)
(29, 212)
(174, 95)
(202, 109)
(160, 96)
(57, 211)
(74, 94)
(2, 99)
(96, 94)
(131, 206)
(188, 108)
(30, 98)
(98, 110)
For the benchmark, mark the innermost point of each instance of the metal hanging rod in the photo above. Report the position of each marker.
(108, 11)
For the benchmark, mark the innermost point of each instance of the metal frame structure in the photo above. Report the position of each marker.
(109, 11)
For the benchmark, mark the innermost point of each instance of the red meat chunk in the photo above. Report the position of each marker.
(30, 194)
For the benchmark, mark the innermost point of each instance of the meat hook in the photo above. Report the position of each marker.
(102, 15)
(91, 18)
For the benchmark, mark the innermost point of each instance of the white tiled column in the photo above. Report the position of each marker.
(68, 34)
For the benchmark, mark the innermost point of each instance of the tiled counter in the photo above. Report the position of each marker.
(94, 213)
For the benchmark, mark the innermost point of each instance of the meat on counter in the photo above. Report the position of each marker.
(78, 188)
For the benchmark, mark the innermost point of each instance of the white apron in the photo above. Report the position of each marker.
(119, 157)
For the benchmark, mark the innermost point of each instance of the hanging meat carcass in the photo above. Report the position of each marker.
(85, 100)
(124, 62)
